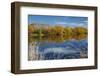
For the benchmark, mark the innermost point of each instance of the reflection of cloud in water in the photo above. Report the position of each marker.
(70, 49)
(59, 50)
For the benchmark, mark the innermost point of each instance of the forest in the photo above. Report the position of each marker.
(56, 32)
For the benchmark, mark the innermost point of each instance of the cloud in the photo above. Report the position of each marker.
(66, 23)
(61, 23)
(82, 25)
(73, 24)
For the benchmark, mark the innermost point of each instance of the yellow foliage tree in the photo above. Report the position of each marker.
(30, 29)
(58, 30)
(80, 30)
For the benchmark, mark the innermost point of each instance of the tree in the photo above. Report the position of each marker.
(68, 31)
(30, 28)
(80, 30)
(58, 30)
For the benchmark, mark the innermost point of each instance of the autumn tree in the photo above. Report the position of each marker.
(58, 30)
(68, 31)
(30, 28)
(80, 30)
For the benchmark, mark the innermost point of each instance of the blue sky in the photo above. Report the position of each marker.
(71, 21)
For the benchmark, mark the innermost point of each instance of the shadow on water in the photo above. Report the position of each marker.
(57, 47)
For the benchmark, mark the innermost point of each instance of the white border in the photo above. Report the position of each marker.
(25, 64)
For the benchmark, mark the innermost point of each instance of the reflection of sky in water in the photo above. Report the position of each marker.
(71, 49)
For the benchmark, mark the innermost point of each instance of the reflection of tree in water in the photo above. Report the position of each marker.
(36, 43)
(71, 49)
(56, 38)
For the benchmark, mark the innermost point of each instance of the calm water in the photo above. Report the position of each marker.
(50, 50)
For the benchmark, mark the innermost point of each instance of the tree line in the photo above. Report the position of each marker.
(56, 31)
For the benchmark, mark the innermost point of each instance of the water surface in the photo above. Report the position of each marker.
(50, 50)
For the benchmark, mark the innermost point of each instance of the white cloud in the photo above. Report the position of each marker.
(81, 24)
(61, 23)
(73, 24)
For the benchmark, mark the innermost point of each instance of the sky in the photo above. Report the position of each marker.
(71, 21)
